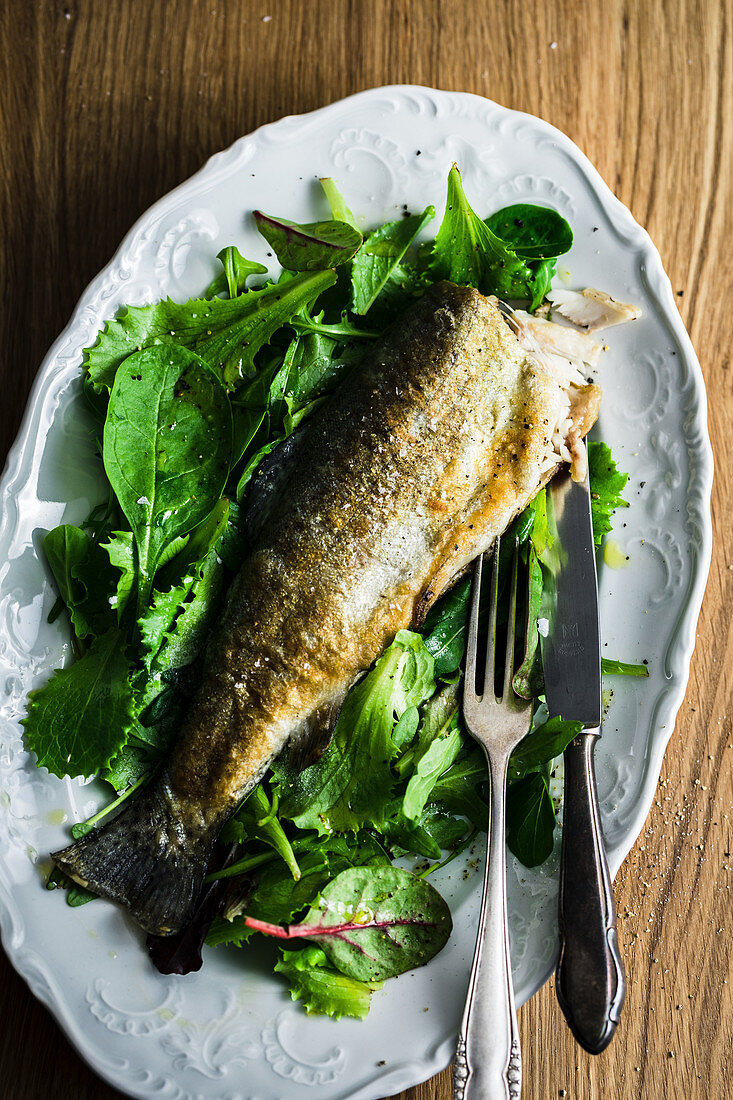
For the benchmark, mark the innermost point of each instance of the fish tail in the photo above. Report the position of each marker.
(144, 860)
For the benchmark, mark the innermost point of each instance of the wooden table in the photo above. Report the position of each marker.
(106, 106)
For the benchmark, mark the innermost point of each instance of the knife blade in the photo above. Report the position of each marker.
(589, 980)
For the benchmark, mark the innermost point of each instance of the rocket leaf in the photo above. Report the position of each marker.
(236, 271)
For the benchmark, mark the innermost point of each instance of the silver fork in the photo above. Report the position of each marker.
(488, 1058)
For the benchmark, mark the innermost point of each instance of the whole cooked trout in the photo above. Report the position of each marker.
(421, 457)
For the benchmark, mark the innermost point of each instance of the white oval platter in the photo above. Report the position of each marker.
(230, 1032)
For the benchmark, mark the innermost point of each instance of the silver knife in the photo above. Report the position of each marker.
(589, 980)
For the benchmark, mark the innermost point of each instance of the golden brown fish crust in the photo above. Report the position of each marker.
(417, 462)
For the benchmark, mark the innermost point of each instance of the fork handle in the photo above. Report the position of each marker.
(589, 980)
(488, 1062)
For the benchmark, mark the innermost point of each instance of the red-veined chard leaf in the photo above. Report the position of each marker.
(311, 247)
(372, 922)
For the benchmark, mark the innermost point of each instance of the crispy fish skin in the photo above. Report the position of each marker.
(417, 462)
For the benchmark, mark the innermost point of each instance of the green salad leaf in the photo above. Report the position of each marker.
(257, 819)
(167, 447)
(83, 576)
(226, 333)
(233, 280)
(606, 483)
(611, 667)
(352, 783)
(541, 745)
(466, 251)
(530, 819)
(437, 758)
(322, 990)
(378, 260)
(372, 922)
(445, 629)
(80, 719)
(460, 788)
(311, 247)
(339, 210)
(533, 232)
(121, 552)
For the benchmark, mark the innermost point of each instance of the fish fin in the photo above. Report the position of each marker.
(141, 860)
(308, 744)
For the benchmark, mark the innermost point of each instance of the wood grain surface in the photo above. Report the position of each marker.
(106, 106)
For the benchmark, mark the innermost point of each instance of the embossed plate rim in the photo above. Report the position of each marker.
(101, 293)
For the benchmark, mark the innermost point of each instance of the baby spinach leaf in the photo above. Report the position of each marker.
(606, 483)
(541, 745)
(323, 990)
(167, 446)
(84, 579)
(80, 719)
(533, 232)
(445, 628)
(379, 256)
(542, 273)
(312, 247)
(530, 819)
(466, 251)
(237, 270)
(611, 667)
(536, 234)
(373, 922)
(225, 332)
(460, 788)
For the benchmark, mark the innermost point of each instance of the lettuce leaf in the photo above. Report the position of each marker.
(352, 784)
(606, 483)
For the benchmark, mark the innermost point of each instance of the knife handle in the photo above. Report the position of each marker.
(589, 980)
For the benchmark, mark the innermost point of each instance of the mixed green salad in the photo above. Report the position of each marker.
(223, 380)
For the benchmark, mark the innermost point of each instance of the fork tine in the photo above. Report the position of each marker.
(489, 673)
(469, 680)
(511, 627)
